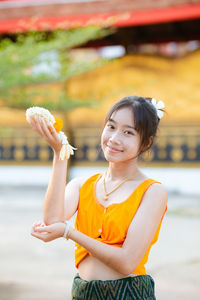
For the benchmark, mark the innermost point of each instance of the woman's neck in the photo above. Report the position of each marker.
(121, 170)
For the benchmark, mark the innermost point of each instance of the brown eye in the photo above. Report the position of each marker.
(128, 132)
(110, 126)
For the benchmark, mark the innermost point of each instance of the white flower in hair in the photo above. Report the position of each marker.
(158, 106)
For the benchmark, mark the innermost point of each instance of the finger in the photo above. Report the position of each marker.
(58, 138)
(32, 123)
(36, 126)
(53, 131)
(38, 223)
(45, 128)
(34, 231)
(40, 236)
(42, 229)
(50, 132)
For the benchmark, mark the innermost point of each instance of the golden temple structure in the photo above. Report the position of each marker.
(176, 81)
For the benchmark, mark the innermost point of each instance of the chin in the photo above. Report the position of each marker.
(111, 158)
(117, 159)
(108, 159)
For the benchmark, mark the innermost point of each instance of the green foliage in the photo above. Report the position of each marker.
(21, 56)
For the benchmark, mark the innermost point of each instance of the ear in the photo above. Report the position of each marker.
(143, 149)
(150, 142)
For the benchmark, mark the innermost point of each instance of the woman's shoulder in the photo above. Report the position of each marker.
(154, 185)
(154, 193)
(156, 190)
(80, 181)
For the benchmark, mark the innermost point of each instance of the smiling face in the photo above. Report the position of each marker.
(120, 141)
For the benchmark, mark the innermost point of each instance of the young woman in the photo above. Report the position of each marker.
(119, 212)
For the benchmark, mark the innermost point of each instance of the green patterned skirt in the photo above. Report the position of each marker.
(140, 287)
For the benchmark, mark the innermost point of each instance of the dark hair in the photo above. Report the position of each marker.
(145, 118)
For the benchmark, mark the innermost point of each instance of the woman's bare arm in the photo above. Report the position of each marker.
(53, 210)
(72, 192)
(140, 234)
(141, 231)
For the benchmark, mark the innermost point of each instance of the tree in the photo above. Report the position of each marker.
(29, 61)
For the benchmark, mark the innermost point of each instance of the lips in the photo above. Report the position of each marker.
(113, 149)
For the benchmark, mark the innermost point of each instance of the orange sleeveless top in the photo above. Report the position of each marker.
(109, 224)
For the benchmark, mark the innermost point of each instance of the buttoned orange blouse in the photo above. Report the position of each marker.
(109, 224)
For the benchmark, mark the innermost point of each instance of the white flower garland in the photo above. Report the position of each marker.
(158, 106)
(66, 149)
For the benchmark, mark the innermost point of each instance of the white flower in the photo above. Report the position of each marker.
(158, 106)
(40, 111)
(63, 138)
(66, 149)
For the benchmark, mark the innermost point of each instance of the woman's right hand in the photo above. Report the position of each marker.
(48, 233)
(48, 133)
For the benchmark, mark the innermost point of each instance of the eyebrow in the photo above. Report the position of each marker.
(110, 119)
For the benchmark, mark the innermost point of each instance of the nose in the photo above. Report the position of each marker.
(115, 138)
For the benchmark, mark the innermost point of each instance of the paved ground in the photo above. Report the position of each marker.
(33, 270)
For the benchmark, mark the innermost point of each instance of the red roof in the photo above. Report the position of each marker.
(24, 15)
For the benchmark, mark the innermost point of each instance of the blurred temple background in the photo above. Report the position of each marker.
(76, 58)
(152, 50)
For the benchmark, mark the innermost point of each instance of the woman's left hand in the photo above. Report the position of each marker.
(48, 233)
